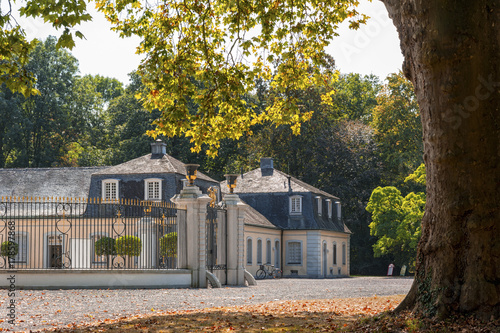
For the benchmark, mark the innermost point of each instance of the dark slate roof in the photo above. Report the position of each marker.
(151, 164)
(268, 190)
(256, 181)
(254, 218)
(47, 182)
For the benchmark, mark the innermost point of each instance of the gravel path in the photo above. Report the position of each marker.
(45, 309)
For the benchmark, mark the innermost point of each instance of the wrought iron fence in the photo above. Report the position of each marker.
(57, 233)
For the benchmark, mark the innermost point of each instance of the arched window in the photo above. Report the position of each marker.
(334, 254)
(249, 251)
(277, 253)
(343, 254)
(259, 251)
(268, 252)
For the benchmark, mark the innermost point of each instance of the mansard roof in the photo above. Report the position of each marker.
(254, 218)
(47, 182)
(272, 181)
(151, 164)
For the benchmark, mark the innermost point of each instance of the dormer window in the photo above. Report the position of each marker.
(110, 189)
(296, 204)
(152, 189)
(320, 206)
(329, 207)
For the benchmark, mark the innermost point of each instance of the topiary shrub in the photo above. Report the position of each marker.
(9, 249)
(128, 246)
(168, 245)
(106, 246)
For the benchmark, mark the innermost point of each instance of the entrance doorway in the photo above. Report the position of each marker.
(55, 251)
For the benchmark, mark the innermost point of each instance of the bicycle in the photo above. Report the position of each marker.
(267, 270)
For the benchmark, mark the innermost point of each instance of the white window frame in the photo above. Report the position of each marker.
(339, 210)
(320, 205)
(290, 260)
(249, 251)
(17, 258)
(152, 181)
(329, 206)
(295, 204)
(116, 183)
(259, 251)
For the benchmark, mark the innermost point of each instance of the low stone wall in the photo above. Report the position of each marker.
(97, 279)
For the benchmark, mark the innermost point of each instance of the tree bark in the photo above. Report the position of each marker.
(452, 56)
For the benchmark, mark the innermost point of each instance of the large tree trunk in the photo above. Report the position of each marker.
(452, 56)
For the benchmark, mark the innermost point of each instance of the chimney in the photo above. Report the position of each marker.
(266, 166)
(158, 148)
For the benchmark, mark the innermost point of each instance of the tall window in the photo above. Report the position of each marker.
(110, 189)
(294, 253)
(152, 189)
(268, 252)
(296, 204)
(22, 255)
(329, 207)
(259, 251)
(249, 251)
(277, 254)
(343, 254)
(334, 253)
(320, 206)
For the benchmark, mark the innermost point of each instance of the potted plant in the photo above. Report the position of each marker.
(106, 246)
(128, 246)
(9, 249)
(168, 248)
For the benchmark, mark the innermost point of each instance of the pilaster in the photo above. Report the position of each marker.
(235, 240)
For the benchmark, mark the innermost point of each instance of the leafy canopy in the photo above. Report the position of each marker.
(15, 47)
(211, 53)
(396, 220)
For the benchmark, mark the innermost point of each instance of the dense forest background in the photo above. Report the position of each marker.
(368, 135)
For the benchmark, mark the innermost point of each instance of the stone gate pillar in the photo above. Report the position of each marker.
(235, 240)
(192, 233)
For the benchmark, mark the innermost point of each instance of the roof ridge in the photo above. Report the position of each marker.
(304, 184)
(55, 168)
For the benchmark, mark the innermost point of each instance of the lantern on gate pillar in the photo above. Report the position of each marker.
(231, 181)
(191, 170)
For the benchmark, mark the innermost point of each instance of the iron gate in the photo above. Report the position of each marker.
(216, 242)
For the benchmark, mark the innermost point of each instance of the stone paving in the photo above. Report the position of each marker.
(45, 309)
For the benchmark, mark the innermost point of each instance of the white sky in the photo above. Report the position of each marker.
(373, 49)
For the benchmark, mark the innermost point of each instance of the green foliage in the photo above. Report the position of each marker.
(128, 246)
(106, 246)
(398, 129)
(168, 245)
(210, 54)
(15, 48)
(396, 221)
(9, 249)
(355, 96)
